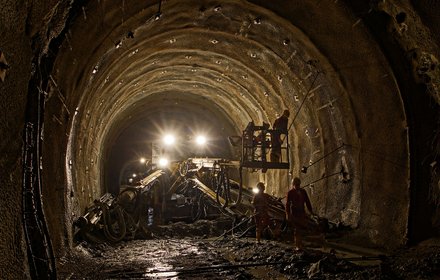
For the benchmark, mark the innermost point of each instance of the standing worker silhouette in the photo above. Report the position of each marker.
(295, 212)
(261, 206)
(279, 127)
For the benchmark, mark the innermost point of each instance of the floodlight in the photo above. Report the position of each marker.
(201, 140)
(255, 190)
(163, 162)
(169, 139)
(142, 160)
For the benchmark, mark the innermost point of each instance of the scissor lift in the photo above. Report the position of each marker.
(256, 146)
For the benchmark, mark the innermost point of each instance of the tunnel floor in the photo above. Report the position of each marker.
(199, 251)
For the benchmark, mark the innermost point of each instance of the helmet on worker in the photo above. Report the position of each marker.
(296, 182)
(260, 186)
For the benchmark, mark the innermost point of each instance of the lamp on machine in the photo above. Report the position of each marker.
(201, 140)
(142, 160)
(163, 162)
(169, 139)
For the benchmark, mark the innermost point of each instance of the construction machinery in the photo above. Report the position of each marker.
(189, 189)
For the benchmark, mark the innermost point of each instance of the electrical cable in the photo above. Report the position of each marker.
(304, 168)
(303, 101)
(320, 179)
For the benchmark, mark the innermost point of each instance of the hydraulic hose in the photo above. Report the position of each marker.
(110, 234)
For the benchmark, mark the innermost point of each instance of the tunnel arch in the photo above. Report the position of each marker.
(338, 84)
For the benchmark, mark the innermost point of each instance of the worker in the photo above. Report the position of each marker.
(248, 142)
(279, 127)
(261, 206)
(295, 212)
(261, 144)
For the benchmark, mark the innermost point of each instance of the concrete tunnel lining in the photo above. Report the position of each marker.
(342, 103)
(116, 83)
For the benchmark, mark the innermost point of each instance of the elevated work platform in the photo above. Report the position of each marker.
(264, 148)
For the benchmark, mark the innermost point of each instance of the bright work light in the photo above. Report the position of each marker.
(201, 140)
(163, 162)
(169, 139)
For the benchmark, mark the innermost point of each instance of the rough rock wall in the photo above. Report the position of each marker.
(18, 53)
(413, 31)
(428, 11)
(417, 41)
(24, 37)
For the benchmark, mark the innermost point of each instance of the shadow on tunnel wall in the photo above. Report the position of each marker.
(423, 120)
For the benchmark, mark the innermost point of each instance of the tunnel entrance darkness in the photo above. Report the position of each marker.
(185, 121)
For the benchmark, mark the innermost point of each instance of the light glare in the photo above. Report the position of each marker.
(255, 190)
(142, 160)
(201, 140)
(169, 139)
(163, 162)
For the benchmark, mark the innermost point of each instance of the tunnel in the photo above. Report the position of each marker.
(89, 86)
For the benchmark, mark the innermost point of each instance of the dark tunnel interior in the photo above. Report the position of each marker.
(90, 88)
(135, 141)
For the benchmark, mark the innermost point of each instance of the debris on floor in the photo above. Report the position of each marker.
(195, 251)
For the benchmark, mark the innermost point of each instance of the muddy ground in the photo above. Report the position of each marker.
(199, 251)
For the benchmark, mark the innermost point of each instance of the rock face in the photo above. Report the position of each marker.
(361, 75)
